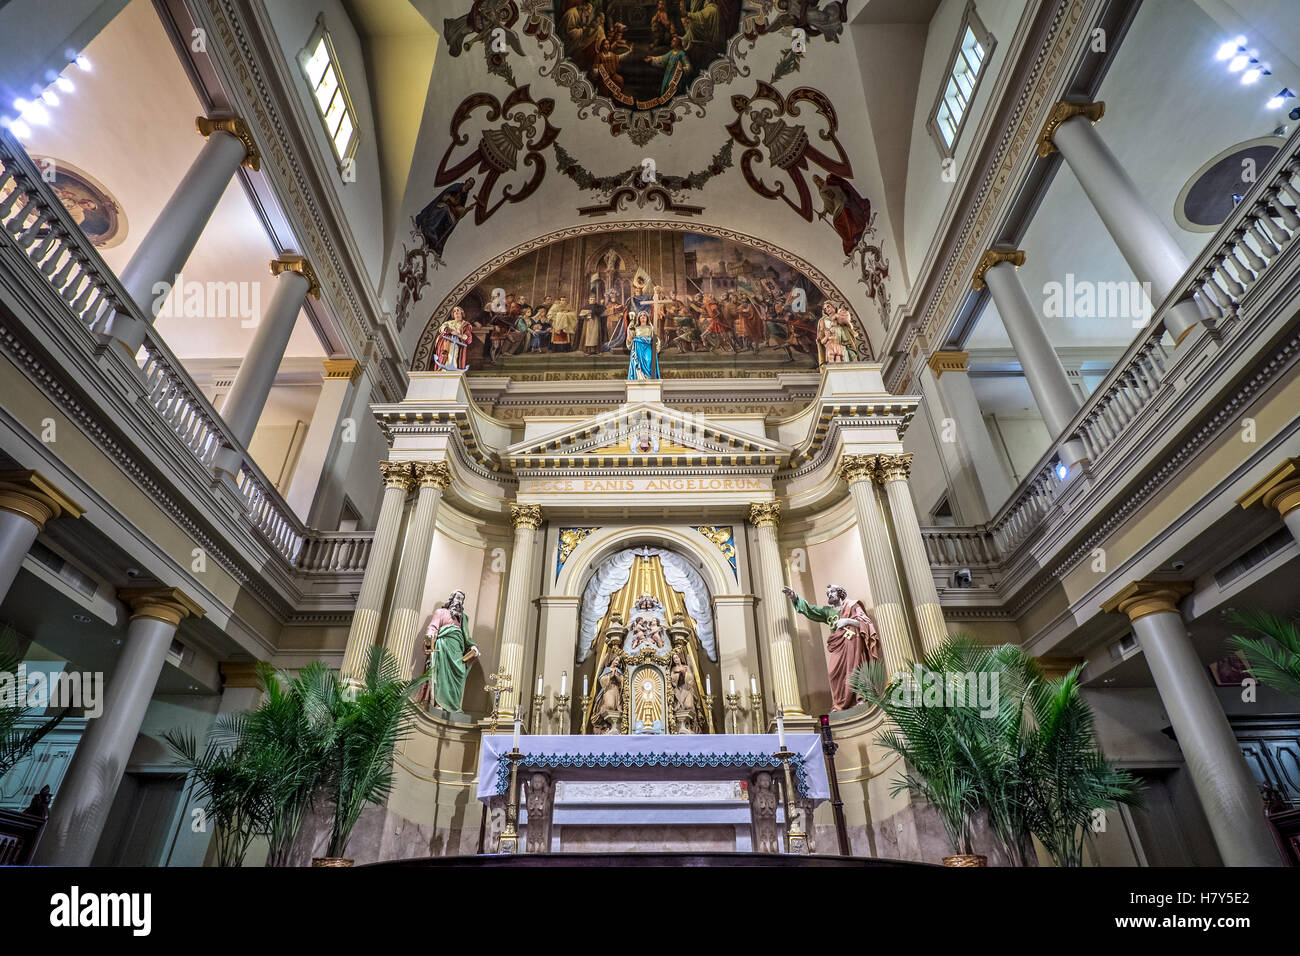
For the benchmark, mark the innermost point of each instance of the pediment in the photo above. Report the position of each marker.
(646, 435)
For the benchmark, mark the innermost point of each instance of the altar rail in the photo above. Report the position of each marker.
(1242, 254)
(34, 222)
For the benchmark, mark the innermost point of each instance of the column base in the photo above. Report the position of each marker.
(796, 721)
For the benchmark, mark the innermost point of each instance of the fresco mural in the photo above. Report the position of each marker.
(566, 306)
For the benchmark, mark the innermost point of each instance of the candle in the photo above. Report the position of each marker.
(539, 687)
(564, 681)
(708, 685)
(753, 685)
(515, 746)
(731, 686)
(584, 685)
(780, 731)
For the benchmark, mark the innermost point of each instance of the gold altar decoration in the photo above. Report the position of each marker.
(650, 660)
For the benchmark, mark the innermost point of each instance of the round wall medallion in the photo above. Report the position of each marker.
(1207, 199)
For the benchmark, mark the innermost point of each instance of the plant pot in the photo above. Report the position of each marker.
(959, 859)
(332, 861)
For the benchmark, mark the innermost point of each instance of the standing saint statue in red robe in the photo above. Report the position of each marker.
(852, 642)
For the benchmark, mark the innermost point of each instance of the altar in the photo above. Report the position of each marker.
(625, 793)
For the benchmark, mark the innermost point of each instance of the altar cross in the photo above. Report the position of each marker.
(499, 684)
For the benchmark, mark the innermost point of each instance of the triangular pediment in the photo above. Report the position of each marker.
(646, 434)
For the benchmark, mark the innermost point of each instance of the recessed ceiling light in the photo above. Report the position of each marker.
(1230, 48)
(65, 84)
(82, 618)
(82, 62)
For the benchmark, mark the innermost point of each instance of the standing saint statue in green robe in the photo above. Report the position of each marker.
(452, 653)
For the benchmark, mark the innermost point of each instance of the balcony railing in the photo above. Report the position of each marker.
(336, 551)
(39, 228)
(1221, 278)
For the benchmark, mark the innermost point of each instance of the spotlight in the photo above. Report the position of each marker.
(1230, 48)
(1294, 114)
(1279, 98)
(1062, 471)
(20, 129)
(1256, 70)
(33, 111)
(50, 97)
(82, 63)
(1239, 62)
(65, 84)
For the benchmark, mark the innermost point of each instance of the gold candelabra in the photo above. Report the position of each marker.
(508, 842)
(708, 711)
(561, 711)
(586, 709)
(796, 840)
(539, 704)
(756, 711)
(731, 713)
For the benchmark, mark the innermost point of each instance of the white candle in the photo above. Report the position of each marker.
(539, 687)
(753, 685)
(708, 685)
(731, 685)
(780, 731)
(564, 681)
(584, 685)
(515, 746)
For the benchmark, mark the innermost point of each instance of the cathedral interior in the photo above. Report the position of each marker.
(632, 403)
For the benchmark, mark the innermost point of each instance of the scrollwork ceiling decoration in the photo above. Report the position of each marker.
(632, 187)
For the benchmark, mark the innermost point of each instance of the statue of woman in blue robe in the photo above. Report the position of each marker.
(644, 360)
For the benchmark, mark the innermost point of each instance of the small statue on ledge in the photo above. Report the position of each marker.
(452, 652)
(608, 716)
(852, 642)
(684, 694)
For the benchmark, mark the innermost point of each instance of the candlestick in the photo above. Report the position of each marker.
(508, 842)
(756, 710)
(708, 685)
(539, 687)
(515, 744)
(708, 708)
(753, 685)
(585, 708)
(731, 708)
(562, 710)
(539, 704)
(796, 838)
(731, 684)
(780, 731)
(564, 682)
(584, 685)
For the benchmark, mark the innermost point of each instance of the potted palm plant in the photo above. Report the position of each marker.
(364, 723)
(1271, 647)
(16, 742)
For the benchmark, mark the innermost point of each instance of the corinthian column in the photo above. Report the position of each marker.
(1218, 768)
(1146, 245)
(1279, 489)
(886, 595)
(765, 516)
(433, 477)
(374, 585)
(892, 472)
(27, 501)
(527, 519)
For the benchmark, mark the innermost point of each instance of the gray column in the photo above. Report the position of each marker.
(404, 618)
(1280, 490)
(27, 501)
(1228, 792)
(886, 592)
(1146, 245)
(171, 239)
(526, 519)
(374, 584)
(765, 516)
(248, 393)
(1056, 400)
(892, 472)
(86, 794)
(981, 464)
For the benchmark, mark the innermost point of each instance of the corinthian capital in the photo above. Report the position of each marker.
(991, 258)
(893, 467)
(765, 514)
(1061, 112)
(397, 474)
(432, 474)
(526, 516)
(855, 468)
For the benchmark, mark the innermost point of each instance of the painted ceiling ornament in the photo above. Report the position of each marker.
(786, 147)
(518, 140)
(641, 65)
(632, 187)
(487, 22)
(849, 213)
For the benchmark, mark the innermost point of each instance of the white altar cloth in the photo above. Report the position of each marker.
(699, 756)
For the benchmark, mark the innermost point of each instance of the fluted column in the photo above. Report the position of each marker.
(886, 594)
(432, 477)
(527, 520)
(27, 501)
(765, 516)
(252, 385)
(892, 472)
(1279, 489)
(86, 794)
(1223, 781)
(1146, 245)
(171, 239)
(1056, 400)
(374, 585)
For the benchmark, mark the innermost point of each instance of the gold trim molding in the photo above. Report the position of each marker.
(991, 258)
(941, 362)
(169, 605)
(300, 265)
(1279, 489)
(31, 495)
(236, 127)
(349, 369)
(1061, 112)
(526, 516)
(1137, 599)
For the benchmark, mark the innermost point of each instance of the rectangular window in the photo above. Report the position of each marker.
(965, 69)
(320, 67)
